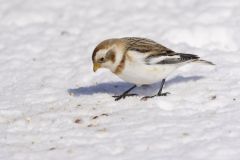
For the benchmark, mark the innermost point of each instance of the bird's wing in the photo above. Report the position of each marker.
(156, 53)
(144, 45)
(175, 58)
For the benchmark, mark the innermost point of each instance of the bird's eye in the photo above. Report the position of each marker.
(101, 60)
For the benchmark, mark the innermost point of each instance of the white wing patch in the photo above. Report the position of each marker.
(163, 59)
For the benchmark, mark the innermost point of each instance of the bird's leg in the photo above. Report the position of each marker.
(125, 94)
(159, 92)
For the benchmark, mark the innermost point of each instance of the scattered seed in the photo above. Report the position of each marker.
(104, 114)
(64, 33)
(213, 97)
(95, 117)
(102, 130)
(71, 94)
(185, 134)
(91, 125)
(78, 121)
(53, 148)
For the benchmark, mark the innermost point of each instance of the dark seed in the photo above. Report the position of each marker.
(78, 121)
(213, 97)
(95, 117)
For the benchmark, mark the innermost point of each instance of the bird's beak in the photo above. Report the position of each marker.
(96, 66)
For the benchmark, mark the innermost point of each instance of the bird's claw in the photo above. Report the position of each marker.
(123, 96)
(164, 94)
(147, 97)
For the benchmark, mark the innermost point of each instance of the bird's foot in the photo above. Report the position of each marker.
(164, 94)
(161, 94)
(123, 96)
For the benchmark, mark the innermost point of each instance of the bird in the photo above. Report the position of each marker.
(140, 61)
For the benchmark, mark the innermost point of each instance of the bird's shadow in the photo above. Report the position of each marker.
(117, 88)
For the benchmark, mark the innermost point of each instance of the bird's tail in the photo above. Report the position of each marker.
(204, 62)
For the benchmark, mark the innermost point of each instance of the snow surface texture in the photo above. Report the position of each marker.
(52, 105)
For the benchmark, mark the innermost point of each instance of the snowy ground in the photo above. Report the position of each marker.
(52, 105)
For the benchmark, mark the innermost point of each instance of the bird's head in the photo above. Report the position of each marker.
(105, 54)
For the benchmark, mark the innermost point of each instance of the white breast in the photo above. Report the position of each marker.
(139, 73)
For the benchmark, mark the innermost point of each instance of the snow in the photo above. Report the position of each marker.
(52, 105)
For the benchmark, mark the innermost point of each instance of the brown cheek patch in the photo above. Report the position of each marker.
(112, 56)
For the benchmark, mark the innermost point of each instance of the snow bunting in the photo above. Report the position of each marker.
(139, 61)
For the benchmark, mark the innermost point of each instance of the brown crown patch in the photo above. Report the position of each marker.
(104, 45)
